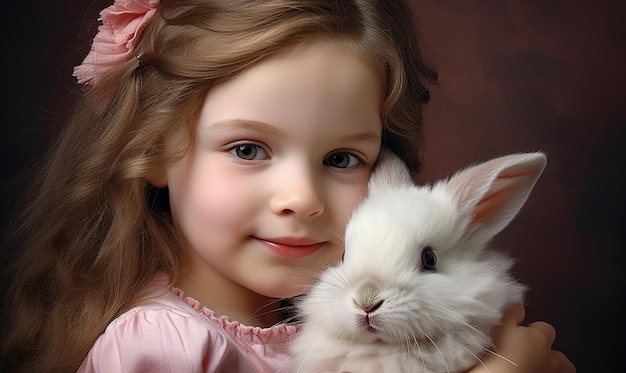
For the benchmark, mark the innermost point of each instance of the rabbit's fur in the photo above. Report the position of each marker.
(385, 308)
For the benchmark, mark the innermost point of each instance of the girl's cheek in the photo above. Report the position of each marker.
(350, 202)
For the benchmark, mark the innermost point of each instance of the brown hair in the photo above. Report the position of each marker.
(92, 235)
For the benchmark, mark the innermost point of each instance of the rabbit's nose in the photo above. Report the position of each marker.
(368, 308)
(367, 297)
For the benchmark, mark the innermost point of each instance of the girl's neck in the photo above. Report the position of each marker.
(227, 298)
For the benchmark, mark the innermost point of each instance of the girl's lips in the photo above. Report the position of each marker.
(291, 247)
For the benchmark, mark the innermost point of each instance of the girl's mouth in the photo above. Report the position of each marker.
(290, 247)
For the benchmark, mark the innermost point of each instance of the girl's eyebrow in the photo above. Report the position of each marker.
(230, 125)
(363, 137)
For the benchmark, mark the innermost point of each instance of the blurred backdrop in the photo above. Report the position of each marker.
(515, 76)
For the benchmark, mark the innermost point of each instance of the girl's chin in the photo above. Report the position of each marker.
(285, 287)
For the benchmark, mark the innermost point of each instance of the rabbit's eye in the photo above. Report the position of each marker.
(342, 256)
(429, 259)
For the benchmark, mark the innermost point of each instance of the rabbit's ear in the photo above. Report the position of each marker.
(491, 194)
(389, 172)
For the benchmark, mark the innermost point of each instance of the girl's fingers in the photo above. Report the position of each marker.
(545, 329)
(561, 364)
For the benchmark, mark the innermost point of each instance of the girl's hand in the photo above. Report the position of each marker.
(530, 347)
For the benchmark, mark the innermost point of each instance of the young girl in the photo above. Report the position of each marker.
(207, 173)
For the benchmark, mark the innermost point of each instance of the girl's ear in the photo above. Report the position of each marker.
(389, 171)
(158, 177)
(491, 194)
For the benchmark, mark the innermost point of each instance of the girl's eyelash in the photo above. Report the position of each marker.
(348, 155)
(249, 151)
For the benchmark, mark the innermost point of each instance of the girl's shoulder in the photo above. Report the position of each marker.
(170, 332)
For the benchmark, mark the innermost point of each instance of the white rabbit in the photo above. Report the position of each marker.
(419, 290)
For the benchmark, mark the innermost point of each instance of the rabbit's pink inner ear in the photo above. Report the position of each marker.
(491, 194)
(500, 200)
(469, 187)
(505, 196)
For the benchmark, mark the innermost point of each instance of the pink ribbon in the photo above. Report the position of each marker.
(117, 37)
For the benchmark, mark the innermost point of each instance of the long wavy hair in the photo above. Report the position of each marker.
(92, 234)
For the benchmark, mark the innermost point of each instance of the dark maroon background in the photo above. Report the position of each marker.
(514, 76)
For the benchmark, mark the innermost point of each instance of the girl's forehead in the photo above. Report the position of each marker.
(316, 49)
(314, 83)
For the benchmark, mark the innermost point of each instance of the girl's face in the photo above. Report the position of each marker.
(282, 156)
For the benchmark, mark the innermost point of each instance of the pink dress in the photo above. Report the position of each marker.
(174, 333)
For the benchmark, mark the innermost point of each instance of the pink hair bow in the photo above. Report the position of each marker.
(116, 39)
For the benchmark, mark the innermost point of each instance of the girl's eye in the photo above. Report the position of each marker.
(249, 152)
(429, 259)
(342, 160)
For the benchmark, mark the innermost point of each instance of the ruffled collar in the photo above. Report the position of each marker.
(279, 333)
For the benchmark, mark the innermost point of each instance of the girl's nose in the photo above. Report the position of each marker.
(297, 193)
